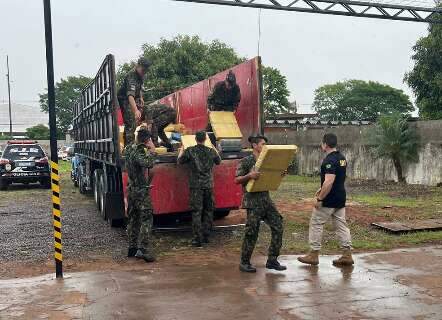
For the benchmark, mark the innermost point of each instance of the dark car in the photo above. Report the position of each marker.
(24, 161)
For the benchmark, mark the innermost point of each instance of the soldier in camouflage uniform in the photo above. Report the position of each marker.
(259, 207)
(225, 95)
(201, 160)
(159, 116)
(139, 161)
(130, 98)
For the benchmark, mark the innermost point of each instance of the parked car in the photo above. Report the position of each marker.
(24, 161)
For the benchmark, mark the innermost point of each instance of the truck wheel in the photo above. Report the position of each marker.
(102, 197)
(219, 214)
(3, 185)
(97, 174)
(116, 223)
(81, 185)
(46, 183)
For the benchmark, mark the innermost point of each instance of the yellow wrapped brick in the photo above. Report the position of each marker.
(189, 141)
(224, 125)
(161, 150)
(175, 128)
(271, 163)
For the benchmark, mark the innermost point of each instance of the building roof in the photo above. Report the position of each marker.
(312, 122)
(23, 117)
(292, 116)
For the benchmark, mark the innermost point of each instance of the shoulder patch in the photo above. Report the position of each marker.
(328, 165)
(342, 163)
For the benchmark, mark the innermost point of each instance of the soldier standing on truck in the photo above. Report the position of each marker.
(225, 95)
(331, 198)
(130, 98)
(139, 161)
(201, 160)
(158, 117)
(259, 207)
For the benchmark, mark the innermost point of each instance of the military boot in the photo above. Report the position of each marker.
(247, 267)
(196, 243)
(131, 252)
(273, 263)
(312, 258)
(145, 254)
(345, 260)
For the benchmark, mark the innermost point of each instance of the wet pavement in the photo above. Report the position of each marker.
(400, 284)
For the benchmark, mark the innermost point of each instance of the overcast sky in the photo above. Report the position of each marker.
(309, 49)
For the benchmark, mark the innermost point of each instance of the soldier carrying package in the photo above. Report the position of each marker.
(259, 207)
(225, 95)
(201, 160)
(139, 160)
(158, 117)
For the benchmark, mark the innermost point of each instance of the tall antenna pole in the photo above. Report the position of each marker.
(9, 97)
(259, 29)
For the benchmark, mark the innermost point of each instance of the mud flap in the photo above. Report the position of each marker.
(114, 205)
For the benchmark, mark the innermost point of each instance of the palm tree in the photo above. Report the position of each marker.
(394, 139)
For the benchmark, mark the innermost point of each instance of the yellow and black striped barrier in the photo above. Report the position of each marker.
(56, 212)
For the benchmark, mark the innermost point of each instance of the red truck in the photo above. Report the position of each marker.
(98, 133)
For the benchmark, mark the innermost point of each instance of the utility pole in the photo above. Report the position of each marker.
(9, 97)
(55, 177)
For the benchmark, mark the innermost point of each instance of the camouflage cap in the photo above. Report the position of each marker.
(144, 62)
(257, 137)
(231, 78)
(143, 135)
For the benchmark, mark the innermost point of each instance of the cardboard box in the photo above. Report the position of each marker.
(272, 162)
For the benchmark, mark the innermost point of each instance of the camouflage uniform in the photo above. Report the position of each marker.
(201, 161)
(137, 160)
(259, 207)
(223, 99)
(161, 116)
(132, 86)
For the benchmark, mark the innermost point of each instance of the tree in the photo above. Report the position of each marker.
(180, 62)
(275, 91)
(185, 60)
(425, 79)
(67, 92)
(359, 100)
(394, 139)
(39, 132)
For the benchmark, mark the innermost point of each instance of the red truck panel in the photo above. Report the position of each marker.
(170, 191)
(191, 102)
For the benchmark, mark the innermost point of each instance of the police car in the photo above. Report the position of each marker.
(24, 161)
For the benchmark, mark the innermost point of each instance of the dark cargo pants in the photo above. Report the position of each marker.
(202, 205)
(273, 219)
(140, 214)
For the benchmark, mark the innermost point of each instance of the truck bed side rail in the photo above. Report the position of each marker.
(95, 128)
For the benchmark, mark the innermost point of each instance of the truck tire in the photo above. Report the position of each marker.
(96, 184)
(81, 185)
(3, 185)
(102, 196)
(46, 183)
(222, 213)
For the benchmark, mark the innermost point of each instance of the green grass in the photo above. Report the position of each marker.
(64, 166)
(381, 200)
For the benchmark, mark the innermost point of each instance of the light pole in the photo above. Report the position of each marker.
(9, 97)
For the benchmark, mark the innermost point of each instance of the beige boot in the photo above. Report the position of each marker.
(345, 260)
(312, 258)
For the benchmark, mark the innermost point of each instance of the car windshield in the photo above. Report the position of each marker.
(21, 152)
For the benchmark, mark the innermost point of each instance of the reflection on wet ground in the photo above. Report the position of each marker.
(401, 284)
